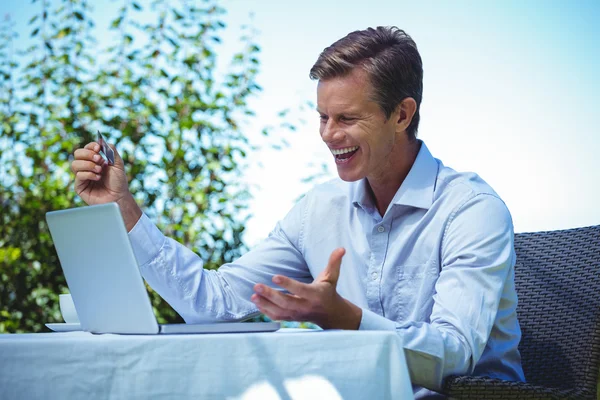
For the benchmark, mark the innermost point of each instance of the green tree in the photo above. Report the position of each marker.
(156, 93)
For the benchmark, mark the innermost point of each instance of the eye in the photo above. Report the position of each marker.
(323, 118)
(346, 119)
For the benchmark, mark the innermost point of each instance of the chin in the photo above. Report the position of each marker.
(350, 176)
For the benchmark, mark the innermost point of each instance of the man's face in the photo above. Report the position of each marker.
(354, 127)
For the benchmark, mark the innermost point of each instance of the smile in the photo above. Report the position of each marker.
(339, 152)
(344, 155)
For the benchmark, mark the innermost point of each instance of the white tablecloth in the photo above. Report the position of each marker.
(282, 365)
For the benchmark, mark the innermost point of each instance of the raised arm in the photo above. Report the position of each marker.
(177, 273)
(97, 182)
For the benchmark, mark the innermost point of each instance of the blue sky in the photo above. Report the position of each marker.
(511, 91)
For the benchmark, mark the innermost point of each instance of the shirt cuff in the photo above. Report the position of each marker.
(375, 322)
(146, 240)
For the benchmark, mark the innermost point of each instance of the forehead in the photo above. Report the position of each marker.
(348, 92)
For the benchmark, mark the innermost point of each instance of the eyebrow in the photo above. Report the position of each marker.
(349, 112)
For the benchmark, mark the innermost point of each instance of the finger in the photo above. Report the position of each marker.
(89, 155)
(83, 166)
(87, 176)
(92, 146)
(293, 286)
(331, 273)
(283, 300)
(270, 309)
(118, 159)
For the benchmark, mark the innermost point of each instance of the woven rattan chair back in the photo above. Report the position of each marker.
(557, 275)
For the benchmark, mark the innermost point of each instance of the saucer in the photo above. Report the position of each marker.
(63, 327)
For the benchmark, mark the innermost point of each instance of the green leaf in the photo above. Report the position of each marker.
(177, 15)
(173, 42)
(176, 121)
(63, 32)
(116, 22)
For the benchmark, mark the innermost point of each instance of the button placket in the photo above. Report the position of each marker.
(379, 245)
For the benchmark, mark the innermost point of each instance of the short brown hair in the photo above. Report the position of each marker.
(391, 60)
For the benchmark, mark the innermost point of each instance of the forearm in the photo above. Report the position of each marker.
(432, 352)
(198, 295)
(130, 211)
(176, 273)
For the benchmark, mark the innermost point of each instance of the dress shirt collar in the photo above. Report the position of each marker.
(416, 190)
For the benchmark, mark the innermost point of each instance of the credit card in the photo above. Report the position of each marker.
(105, 150)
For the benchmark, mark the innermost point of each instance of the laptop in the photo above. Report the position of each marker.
(104, 278)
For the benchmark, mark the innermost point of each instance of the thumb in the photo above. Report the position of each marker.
(118, 159)
(331, 273)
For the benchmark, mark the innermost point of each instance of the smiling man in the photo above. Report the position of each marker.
(400, 242)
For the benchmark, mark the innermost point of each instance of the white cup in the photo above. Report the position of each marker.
(67, 309)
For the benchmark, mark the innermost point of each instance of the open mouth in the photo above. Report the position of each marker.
(344, 155)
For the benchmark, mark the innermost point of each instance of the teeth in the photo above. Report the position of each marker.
(344, 151)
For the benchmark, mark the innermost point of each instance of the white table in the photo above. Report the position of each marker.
(282, 365)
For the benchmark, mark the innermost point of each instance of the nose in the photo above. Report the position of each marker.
(331, 132)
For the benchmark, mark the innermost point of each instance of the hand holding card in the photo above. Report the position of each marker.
(105, 150)
(100, 178)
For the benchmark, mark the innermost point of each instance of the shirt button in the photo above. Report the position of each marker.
(381, 228)
(374, 275)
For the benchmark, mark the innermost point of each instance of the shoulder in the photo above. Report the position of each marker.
(331, 192)
(464, 189)
(324, 203)
(321, 198)
(475, 214)
(472, 209)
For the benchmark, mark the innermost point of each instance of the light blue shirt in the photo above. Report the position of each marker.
(437, 267)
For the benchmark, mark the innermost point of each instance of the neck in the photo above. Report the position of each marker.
(386, 183)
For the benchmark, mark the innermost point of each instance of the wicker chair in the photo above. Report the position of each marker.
(557, 277)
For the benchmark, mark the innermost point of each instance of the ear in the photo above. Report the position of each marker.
(404, 114)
